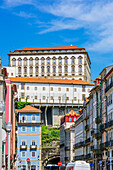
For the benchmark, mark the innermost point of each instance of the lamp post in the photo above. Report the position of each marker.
(8, 128)
(4, 142)
(1, 113)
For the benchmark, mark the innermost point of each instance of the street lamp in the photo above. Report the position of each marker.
(8, 128)
(1, 113)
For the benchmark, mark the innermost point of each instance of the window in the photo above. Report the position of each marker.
(75, 89)
(35, 97)
(33, 167)
(27, 87)
(35, 88)
(27, 96)
(31, 70)
(75, 119)
(42, 61)
(51, 88)
(33, 154)
(67, 89)
(42, 69)
(23, 154)
(22, 86)
(73, 69)
(54, 69)
(19, 62)
(43, 88)
(73, 60)
(66, 69)
(31, 61)
(24, 118)
(11, 74)
(70, 119)
(54, 61)
(25, 62)
(80, 68)
(75, 99)
(51, 97)
(60, 69)
(36, 69)
(33, 142)
(33, 129)
(25, 69)
(59, 89)
(22, 95)
(43, 97)
(14, 62)
(19, 70)
(48, 69)
(65, 60)
(80, 60)
(83, 96)
(59, 98)
(48, 61)
(23, 129)
(60, 61)
(67, 98)
(36, 60)
(83, 88)
(33, 118)
(23, 142)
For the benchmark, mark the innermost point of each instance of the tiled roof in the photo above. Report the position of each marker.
(49, 48)
(29, 109)
(50, 81)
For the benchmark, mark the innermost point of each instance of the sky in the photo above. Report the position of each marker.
(46, 23)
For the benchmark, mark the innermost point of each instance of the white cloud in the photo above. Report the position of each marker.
(25, 15)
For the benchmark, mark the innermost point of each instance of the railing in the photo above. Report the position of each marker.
(79, 144)
(109, 143)
(87, 156)
(98, 119)
(109, 87)
(79, 157)
(93, 147)
(108, 124)
(88, 140)
(23, 146)
(33, 146)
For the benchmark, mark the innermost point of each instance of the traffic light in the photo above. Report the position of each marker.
(103, 164)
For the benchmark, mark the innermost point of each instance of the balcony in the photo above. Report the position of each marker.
(23, 146)
(87, 141)
(88, 156)
(98, 135)
(102, 127)
(79, 144)
(98, 119)
(33, 146)
(93, 147)
(93, 132)
(87, 127)
(109, 124)
(79, 157)
(109, 87)
(102, 146)
(109, 143)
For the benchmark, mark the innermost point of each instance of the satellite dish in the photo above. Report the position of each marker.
(3, 135)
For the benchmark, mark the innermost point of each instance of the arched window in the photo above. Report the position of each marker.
(25, 61)
(60, 60)
(36, 60)
(80, 59)
(80, 69)
(48, 69)
(19, 70)
(19, 61)
(60, 69)
(48, 60)
(25, 70)
(33, 118)
(36, 69)
(73, 69)
(66, 60)
(54, 69)
(54, 60)
(31, 61)
(42, 60)
(13, 62)
(42, 69)
(31, 70)
(73, 60)
(66, 69)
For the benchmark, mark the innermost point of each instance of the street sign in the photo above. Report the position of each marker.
(28, 160)
(100, 162)
(59, 163)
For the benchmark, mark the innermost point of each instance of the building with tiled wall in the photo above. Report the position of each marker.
(29, 137)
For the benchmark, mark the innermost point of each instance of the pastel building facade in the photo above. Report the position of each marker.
(70, 62)
(67, 137)
(29, 137)
(55, 97)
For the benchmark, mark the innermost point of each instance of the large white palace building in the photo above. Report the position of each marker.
(66, 62)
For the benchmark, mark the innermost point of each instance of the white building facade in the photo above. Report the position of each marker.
(55, 97)
(69, 62)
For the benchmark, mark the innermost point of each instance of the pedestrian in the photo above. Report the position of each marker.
(3, 167)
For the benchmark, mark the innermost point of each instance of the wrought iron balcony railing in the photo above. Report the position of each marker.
(23, 146)
(33, 146)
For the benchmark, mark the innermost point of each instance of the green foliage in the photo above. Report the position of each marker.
(20, 105)
(49, 134)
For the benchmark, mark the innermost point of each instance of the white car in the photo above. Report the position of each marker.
(78, 165)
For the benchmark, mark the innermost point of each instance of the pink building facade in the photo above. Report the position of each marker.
(10, 116)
